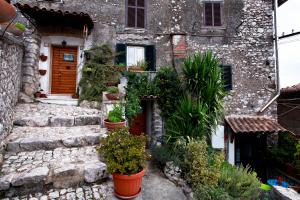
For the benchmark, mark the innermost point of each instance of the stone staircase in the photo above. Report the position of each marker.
(52, 146)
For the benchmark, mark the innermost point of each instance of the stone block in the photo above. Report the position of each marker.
(40, 121)
(87, 120)
(94, 172)
(67, 121)
(34, 176)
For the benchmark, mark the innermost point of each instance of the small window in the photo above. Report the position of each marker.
(212, 14)
(135, 54)
(68, 57)
(227, 76)
(136, 13)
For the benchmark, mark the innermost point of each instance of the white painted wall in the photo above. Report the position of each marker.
(217, 139)
(46, 48)
(231, 152)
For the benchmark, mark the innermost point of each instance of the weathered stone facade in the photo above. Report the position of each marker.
(11, 55)
(176, 28)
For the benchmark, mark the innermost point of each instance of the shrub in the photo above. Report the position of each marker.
(112, 90)
(285, 151)
(169, 91)
(240, 183)
(206, 192)
(116, 114)
(124, 153)
(97, 71)
(189, 120)
(203, 166)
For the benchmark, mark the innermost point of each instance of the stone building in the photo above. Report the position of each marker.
(239, 32)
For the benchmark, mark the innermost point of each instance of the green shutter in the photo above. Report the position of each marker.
(151, 57)
(121, 54)
(227, 76)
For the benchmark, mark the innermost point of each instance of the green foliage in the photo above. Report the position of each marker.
(240, 183)
(285, 151)
(189, 120)
(203, 166)
(124, 153)
(20, 26)
(97, 71)
(143, 64)
(112, 90)
(138, 85)
(203, 80)
(116, 114)
(207, 192)
(168, 90)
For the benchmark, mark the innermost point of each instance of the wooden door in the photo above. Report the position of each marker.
(64, 70)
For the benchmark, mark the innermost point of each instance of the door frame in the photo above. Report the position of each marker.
(51, 66)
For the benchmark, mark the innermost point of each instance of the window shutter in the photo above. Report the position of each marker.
(217, 14)
(121, 53)
(208, 14)
(151, 57)
(227, 76)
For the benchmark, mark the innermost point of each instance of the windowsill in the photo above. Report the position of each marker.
(134, 30)
(214, 27)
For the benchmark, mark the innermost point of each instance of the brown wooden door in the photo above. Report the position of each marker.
(64, 69)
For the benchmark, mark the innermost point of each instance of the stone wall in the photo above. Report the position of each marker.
(11, 55)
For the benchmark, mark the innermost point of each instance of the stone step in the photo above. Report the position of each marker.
(42, 115)
(47, 138)
(58, 168)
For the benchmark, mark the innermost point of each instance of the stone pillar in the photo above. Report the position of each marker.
(30, 67)
(157, 126)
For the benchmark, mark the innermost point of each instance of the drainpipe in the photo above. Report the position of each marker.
(277, 61)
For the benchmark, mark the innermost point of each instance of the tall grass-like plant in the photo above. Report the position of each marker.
(189, 120)
(203, 81)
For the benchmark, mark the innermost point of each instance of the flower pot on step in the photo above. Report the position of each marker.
(128, 187)
(114, 125)
(114, 96)
(7, 11)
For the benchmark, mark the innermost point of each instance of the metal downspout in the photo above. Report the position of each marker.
(277, 61)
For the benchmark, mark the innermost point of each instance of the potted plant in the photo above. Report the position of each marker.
(42, 72)
(115, 118)
(43, 57)
(141, 66)
(125, 157)
(113, 93)
(7, 11)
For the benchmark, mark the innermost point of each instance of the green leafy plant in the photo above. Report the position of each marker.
(207, 192)
(142, 64)
(20, 26)
(189, 120)
(284, 151)
(203, 80)
(97, 71)
(169, 91)
(112, 90)
(240, 183)
(116, 114)
(203, 166)
(124, 153)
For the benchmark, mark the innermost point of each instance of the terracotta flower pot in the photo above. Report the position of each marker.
(43, 57)
(37, 95)
(128, 187)
(113, 125)
(114, 96)
(7, 11)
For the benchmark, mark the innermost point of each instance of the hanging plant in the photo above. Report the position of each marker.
(43, 57)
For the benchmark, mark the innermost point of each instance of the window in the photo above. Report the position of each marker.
(135, 13)
(134, 55)
(212, 14)
(227, 76)
(130, 55)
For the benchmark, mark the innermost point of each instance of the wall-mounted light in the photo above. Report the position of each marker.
(64, 43)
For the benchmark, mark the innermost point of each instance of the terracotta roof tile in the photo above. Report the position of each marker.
(253, 124)
(292, 89)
